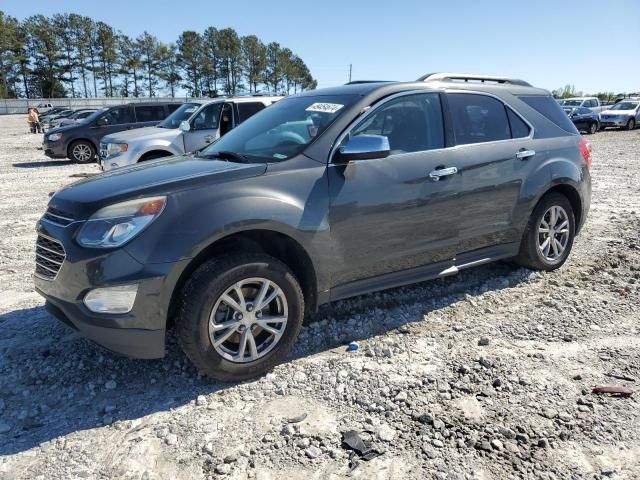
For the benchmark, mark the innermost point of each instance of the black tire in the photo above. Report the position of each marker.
(593, 128)
(201, 294)
(631, 124)
(530, 255)
(82, 151)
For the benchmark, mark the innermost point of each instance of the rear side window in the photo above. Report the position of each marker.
(548, 107)
(478, 118)
(246, 110)
(149, 113)
(519, 128)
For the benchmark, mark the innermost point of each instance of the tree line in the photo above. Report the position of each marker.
(70, 55)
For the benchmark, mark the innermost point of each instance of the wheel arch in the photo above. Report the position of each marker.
(572, 194)
(279, 245)
(153, 151)
(81, 139)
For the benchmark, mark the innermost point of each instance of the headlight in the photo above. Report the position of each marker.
(54, 137)
(116, 148)
(116, 224)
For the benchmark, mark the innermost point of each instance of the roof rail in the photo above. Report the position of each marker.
(465, 77)
(358, 82)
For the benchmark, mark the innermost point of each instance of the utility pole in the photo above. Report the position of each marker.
(350, 69)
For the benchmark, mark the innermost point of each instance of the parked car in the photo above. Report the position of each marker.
(51, 112)
(71, 119)
(44, 107)
(80, 141)
(592, 103)
(584, 118)
(191, 127)
(624, 114)
(322, 196)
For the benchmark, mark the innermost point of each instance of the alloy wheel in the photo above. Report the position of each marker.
(82, 152)
(593, 128)
(553, 233)
(248, 320)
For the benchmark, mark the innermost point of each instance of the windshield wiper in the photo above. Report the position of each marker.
(226, 155)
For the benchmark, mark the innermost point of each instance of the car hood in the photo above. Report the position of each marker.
(142, 134)
(62, 128)
(159, 177)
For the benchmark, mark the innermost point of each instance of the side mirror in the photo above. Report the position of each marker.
(363, 147)
(185, 126)
(102, 121)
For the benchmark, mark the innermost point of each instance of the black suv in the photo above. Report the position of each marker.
(80, 141)
(322, 196)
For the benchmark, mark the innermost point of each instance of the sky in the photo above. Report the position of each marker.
(549, 43)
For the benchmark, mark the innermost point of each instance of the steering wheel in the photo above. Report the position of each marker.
(291, 138)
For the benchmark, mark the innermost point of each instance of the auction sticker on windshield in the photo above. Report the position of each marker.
(324, 107)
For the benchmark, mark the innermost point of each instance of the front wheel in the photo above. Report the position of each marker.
(82, 151)
(631, 124)
(549, 235)
(593, 128)
(240, 316)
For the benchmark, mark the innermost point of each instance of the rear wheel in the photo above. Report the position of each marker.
(240, 316)
(549, 235)
(82, 151)
(593, 128)
(631, 124)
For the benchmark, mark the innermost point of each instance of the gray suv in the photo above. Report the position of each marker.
(322, 196)
(191, 127)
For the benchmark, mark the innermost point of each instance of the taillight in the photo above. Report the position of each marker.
(585, 150)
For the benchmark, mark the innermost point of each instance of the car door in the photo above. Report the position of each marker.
(204, 127)
(388, 215)
(114, 120)
(494, 153)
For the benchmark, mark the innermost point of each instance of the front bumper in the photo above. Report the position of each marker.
(613, 122)
(139, 333)
(54, 149)
(110, 163)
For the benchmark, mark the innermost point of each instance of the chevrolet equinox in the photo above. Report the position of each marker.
(324, 195)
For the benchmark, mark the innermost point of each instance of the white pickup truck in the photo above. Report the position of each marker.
(591, 103)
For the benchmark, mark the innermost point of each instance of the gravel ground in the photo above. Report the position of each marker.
(488, 374)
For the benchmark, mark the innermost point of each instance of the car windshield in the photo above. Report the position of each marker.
(282, 130)
(625, 106)
(182, 113)
(96, 114)
(571, 103)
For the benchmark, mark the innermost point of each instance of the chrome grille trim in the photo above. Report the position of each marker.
(57, 217)
(50, 255)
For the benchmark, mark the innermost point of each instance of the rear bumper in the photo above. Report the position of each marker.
(131, 342)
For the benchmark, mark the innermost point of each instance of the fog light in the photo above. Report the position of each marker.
(111, 299)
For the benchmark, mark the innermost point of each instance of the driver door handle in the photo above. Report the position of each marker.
(438, 173)
(525, 154)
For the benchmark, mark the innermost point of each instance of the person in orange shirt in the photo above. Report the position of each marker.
(34, 121)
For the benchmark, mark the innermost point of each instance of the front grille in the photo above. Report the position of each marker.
(58, 217)
(50, 255)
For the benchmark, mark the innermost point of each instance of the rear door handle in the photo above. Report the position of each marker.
(524, 154)
(438, 173)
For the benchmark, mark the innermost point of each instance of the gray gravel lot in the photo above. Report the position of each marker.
(488, 374)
